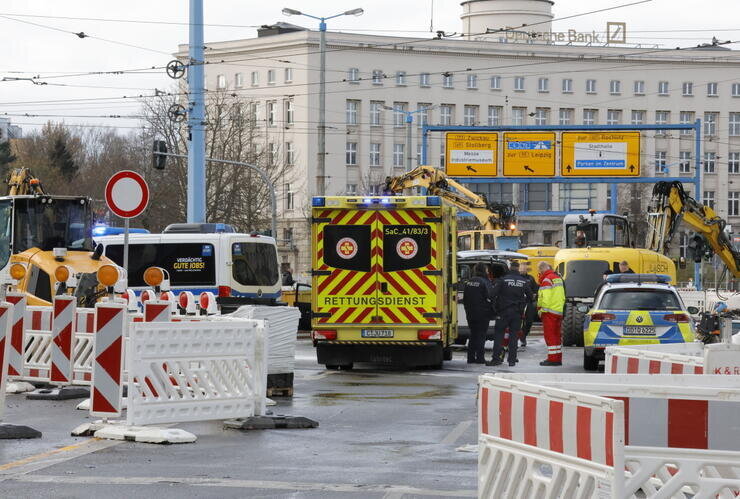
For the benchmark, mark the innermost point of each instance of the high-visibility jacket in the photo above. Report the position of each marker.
(551, 295)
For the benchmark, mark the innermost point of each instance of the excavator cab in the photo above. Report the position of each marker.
(595, 229)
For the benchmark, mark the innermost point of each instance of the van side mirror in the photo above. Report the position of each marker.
(692, 310)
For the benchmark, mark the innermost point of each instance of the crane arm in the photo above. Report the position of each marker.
(489, 215)
(674, 205)
(22, 182)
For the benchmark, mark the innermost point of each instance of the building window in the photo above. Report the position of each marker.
(590, 116)
(615, 87)
(565, 117)
(535, 197)
(733, 162)
(541, 116)
(684, 162)
(424, 108)
(733, 203)
(495, 83)
(239, 80)
(288, 75)
(376, 110)
(712, 89)
(710, 159)
(398, 150)
(289, 197)
(255, 78)
(270, 76)
(374, 154)
(517, 115)
(418, 154)
(289, 153)
(351, 154)
(472, 82)
(638, 117)
(221, 82)
(577, 196)
(590, 86)
(639, 87)
(708, 199)
(519, 83)
(687, 89)
(470, 115)
(353, 107)
(289, 112)
(543, 85)
(686, 118)
(662, 88)
(736, 89)
(734, 124)
(401, 78)
(494, 115)
(442, 154)
(661, 164)
(425, 80)
(662, 117)
(351, 189)
(271, 154)
(613, 116)
(683, 244)
(353, 75)
(445, 114)
(377, 77)
(448, 80)
(270, 113)
(399, 115)
(567, 86)
(710, 124)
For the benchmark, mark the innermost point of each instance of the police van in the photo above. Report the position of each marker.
(238, 268)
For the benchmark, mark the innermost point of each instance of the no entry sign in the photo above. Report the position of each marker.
(127, 194)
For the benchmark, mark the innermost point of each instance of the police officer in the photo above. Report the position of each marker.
(511, 295)
(477, 300)
(530, 313)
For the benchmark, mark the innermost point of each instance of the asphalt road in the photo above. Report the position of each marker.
(383, 434)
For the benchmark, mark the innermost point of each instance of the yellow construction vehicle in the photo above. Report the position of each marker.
(497, 221)
(671, 205)
(44, 232)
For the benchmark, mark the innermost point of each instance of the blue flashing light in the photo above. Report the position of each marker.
(220, 227)
(434, 201)
(318, 201)
(367, 201)
(386, 201)
(99, 230)
(638, 278)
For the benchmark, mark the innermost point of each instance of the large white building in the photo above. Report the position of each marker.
(510, 77)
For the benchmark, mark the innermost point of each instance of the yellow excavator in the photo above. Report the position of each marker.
(44, 233)
(497, 221)
(671, 205)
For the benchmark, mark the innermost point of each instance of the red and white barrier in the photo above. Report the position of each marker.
(147, 295)
(15, 348)
(6, 327)
(62, 340)
(84, 346)
(107, 389)
(187, 302)
(673, 435)
(157, 311)
(681, 358)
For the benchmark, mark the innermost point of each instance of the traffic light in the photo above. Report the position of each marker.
(697, 248)
(159, 160)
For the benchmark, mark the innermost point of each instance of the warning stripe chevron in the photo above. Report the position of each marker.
(62, 338)
(106, 399)
(15, 348)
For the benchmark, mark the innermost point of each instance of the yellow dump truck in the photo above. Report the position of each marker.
(383, 280)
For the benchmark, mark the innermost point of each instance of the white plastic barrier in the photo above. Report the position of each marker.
(37, 344)
(679, 358)
(621, 436)
(282, 333)
(195, 371)
(83, 346)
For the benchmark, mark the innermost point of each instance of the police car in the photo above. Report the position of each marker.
(634, 309)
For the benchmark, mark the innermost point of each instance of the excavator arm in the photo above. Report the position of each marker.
(22, 182)
(672, 205)
(491, 216)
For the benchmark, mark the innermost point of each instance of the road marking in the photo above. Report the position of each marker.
(311, 377)
(456, 432)
(243, 484)
(52, 457)
(393, 495)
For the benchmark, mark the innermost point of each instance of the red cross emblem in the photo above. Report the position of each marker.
(347, 248)
(407, 248)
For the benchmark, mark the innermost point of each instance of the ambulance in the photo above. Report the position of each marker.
(383, 280)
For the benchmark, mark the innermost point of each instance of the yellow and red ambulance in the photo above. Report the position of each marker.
(383, 280)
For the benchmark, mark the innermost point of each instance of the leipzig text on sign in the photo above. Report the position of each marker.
(600, 154)
(529, 154)
(471, 154)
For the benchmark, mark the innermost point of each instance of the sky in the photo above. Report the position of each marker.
(50, 47)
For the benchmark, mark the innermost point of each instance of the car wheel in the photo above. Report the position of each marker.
(590, 361)
(572, 328)
(447, 353)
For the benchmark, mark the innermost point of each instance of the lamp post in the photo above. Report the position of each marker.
(409, 129)
(321, 163)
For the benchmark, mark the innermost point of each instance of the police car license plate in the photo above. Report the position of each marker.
(377, 333)
(639, 330)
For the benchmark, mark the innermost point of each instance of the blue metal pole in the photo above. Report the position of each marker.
(697, 189)
(424, 132)
(615, 203)
(196, 207)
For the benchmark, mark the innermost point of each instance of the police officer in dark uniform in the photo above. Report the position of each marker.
(477, 300)
(530, 313)
(511, 295)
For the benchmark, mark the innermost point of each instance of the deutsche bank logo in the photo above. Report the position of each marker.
(529, 144)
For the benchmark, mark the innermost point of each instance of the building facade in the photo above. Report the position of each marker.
(482, 79)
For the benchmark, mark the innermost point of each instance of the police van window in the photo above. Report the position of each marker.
(189, 264)
(347, 247)
(406, 247)
(255, 264)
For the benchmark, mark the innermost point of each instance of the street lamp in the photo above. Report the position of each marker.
(409, 129)
(321, 164)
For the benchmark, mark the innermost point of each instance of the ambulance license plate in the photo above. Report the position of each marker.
(377, 333)
(639, 330)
